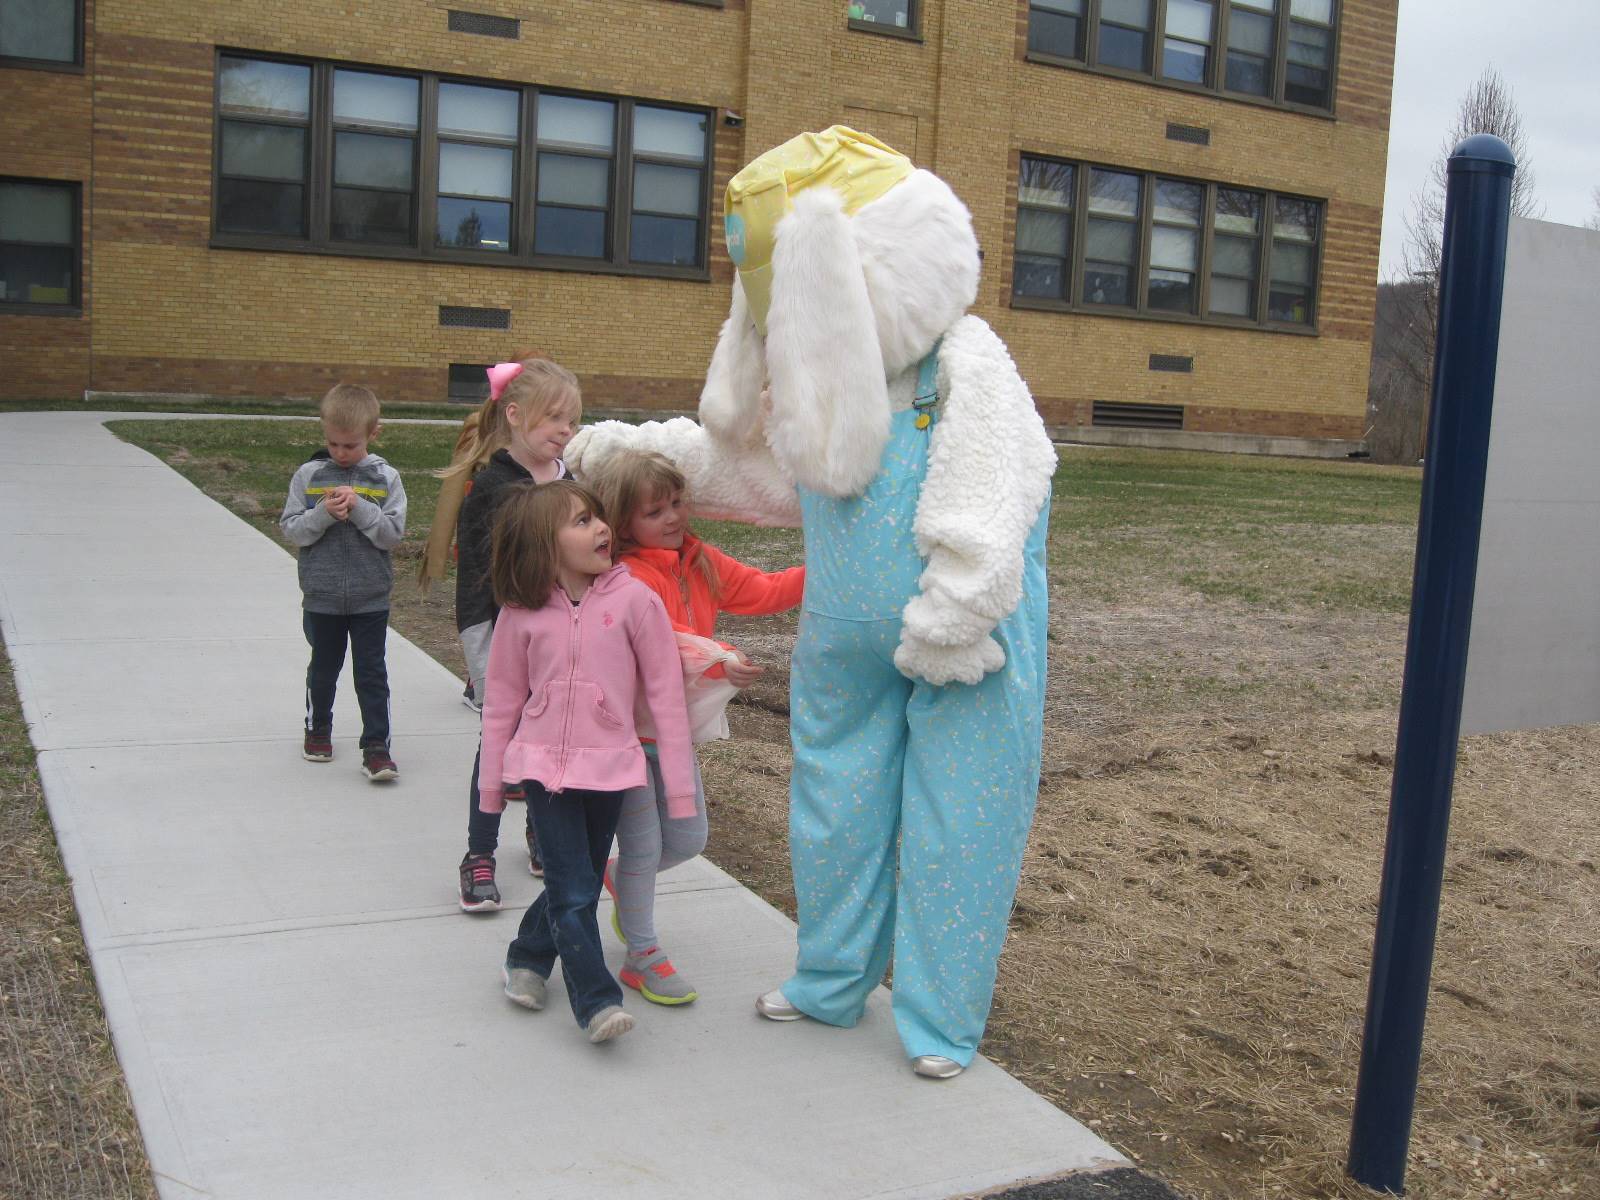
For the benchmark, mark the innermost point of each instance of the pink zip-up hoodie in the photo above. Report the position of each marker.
(560, 689)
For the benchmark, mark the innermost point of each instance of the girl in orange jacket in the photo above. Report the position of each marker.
(643, 496)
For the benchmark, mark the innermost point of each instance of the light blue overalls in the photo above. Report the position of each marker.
(951, 773)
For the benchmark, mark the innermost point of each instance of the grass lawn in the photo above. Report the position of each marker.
(1186, 970)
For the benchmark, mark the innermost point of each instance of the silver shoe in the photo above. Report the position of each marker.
(524, 987)
(935, 1066)
(775, 1006)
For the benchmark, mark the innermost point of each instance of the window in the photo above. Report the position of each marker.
(479, 128)
(1294, 261)
(1170, 283)
(1310, 58)
(1044, 228)
(669, 156)
(1186, 51)
(38, 243)
(352, 160)
(1235, 250)
(1276, 51)
(1055, 27)
(1252, 26)
(577, 142)
(264, 147)
(1111, 249)
(1125, 34)
(467, 383)
(374, 158)
(42, 31)
(884, 15)
(1176, 249)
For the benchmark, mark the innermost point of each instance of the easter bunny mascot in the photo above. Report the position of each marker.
(850, 393)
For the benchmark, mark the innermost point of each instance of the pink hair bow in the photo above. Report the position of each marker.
(501, 374)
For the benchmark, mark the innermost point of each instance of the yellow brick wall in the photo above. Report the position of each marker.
(45, 126)
(172, 312)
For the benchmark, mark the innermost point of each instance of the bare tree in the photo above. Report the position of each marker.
(1594, 218)
(1488, 107)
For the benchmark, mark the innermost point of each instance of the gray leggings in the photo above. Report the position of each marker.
(649, 842)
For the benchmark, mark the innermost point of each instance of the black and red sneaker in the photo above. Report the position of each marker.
(318, 747)
(377, 765)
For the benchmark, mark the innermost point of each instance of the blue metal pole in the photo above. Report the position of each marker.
(1471, 278)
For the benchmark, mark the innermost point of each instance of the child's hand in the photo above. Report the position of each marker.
(742, 673)
(340, 501)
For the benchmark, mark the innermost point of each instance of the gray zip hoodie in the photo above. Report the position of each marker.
(344, 565)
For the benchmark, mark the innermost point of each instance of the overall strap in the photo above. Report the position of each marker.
(926, 400)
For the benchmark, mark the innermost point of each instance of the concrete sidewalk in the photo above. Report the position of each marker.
(300, 1007)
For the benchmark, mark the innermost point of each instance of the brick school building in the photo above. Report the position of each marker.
(1178, 200)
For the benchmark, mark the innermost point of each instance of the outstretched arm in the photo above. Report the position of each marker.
(726, 482)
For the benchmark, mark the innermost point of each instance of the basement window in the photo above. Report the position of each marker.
(1108, 414)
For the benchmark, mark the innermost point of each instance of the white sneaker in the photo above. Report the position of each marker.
(609, 1023)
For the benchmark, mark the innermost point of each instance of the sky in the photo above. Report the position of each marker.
(1547, 52)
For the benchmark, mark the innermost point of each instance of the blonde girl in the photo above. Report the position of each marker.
(646, 497)
(533, 411)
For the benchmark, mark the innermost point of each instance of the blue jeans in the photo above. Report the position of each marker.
(574, 829)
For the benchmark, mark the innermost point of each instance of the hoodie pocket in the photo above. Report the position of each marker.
(539, 704)
(593, 723)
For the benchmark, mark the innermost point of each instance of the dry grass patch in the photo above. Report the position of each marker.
(66, 1127)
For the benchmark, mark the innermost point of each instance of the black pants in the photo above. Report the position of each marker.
(327, 633)
(483, 829)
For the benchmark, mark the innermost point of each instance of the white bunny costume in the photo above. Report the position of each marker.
(897, 432)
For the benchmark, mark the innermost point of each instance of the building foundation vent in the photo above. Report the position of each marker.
(1182, 363)
(469, 383)
(459, 316)
(1137, 416)
(484, 24)
(1195, 135)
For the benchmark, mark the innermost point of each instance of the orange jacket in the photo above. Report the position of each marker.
(676, 577)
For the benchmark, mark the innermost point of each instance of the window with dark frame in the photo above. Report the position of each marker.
(264, 147)
(899, 15)
(479, 130)
(375, 120)
(42, 31)
(1163, 247)
(39, 223)
(1055, 27)
(342, 158)
(1279, 52)
(1187, 40)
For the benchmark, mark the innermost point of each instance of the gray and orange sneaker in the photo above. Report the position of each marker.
(318, 747)
(653, 976)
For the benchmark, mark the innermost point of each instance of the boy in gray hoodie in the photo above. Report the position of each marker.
(346, 510)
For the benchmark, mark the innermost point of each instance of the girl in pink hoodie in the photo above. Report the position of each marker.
(577, 637)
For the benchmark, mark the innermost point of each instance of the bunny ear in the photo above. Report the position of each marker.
(730, 402)
(830, 404)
